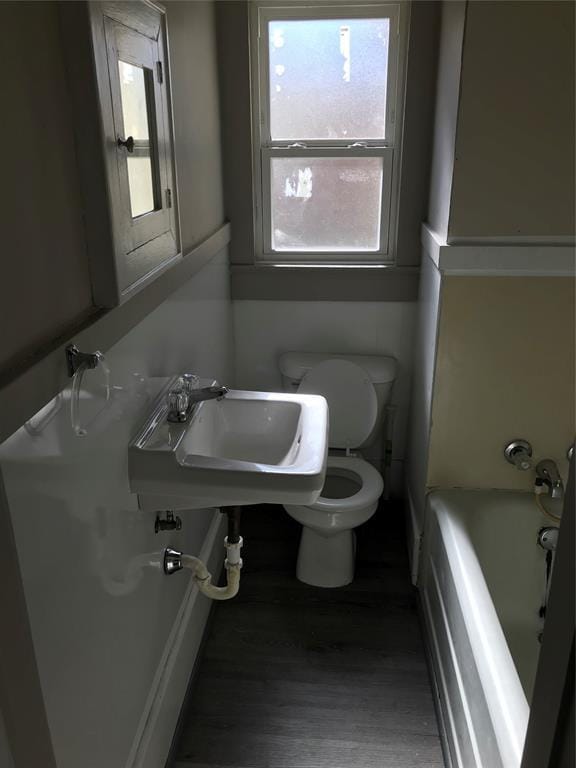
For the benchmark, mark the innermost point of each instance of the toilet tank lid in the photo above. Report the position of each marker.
(296, 365)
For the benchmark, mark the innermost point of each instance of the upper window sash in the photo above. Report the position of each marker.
(267, 14)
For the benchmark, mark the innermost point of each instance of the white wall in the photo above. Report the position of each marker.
(5, 753)
(103, 616)
(421, 404)
(445, 121)
(265, 329)
(195, 92)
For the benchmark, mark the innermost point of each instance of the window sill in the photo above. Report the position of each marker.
(324, 282)
(323, 265)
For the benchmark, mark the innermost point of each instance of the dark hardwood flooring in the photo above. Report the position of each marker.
(294, 676)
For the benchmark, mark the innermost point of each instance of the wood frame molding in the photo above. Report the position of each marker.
(492, 257)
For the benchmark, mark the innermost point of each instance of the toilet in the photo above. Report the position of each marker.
(357, 387)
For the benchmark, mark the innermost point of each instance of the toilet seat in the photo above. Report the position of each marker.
(370, 490)
(329, 517)
(351, 397)
(327, 548)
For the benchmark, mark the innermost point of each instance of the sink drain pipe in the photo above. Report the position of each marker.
(176, 561)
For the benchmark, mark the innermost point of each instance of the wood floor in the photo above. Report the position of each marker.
(294, 676)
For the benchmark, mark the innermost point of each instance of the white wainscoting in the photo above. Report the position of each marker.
(115, 639)
(156, 728)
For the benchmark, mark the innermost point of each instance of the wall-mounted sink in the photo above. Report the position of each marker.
(246, 448)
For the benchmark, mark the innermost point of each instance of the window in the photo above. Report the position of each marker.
(327, 109)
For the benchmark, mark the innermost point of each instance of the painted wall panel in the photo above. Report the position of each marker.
(44, 286)
(5, 753)
(421, 402)
(445, 120)
(514, 168)
(192, 37)
(505, 369)
(100, 608)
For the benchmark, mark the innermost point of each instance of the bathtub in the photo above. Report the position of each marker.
(483, 581)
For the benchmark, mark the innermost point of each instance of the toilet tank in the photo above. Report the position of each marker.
(381, 369)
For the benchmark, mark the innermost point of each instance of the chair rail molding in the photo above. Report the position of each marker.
(505, 257)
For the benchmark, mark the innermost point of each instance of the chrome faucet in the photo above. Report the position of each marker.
(547, 473)
(207, 393)
(184, 397)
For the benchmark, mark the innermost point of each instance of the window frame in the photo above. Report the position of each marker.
(264, 148)
(132, 47)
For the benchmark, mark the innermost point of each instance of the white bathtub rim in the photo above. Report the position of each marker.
(505, 698)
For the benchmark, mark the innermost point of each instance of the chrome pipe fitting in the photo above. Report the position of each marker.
(172, 561)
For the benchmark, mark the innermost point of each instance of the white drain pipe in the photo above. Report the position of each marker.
(175, 561)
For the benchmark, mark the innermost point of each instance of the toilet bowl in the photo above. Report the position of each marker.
(327, 545)
(352, 487)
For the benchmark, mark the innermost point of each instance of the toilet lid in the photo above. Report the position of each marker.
(352, 401)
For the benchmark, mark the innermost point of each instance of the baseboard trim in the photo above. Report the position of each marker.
(154, 735)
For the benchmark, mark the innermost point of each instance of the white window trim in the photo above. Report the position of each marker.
(390, 149)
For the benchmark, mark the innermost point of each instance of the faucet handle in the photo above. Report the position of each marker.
(519, 453)
(523, 463)
(189, 382)
(177, 401)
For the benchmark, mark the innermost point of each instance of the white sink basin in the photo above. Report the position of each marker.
(247, 448)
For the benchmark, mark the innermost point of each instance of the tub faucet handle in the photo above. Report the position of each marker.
(519, 454)
(522, 462)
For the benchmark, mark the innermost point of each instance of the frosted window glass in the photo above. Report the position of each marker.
(328, 78)
(326, 203)
(135, 117)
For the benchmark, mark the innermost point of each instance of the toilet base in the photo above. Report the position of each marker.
(326, 561)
